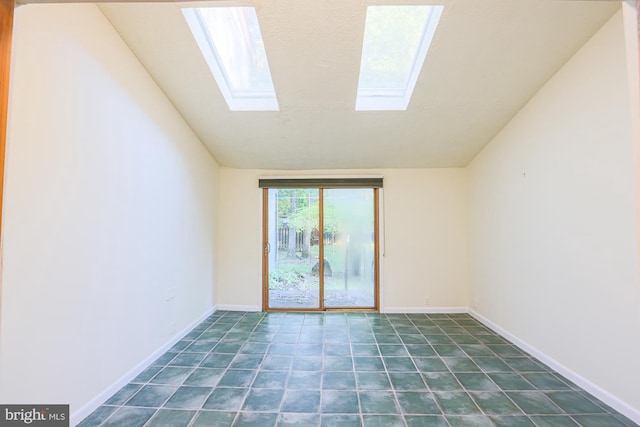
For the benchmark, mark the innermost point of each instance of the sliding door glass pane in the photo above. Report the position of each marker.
(293, 248)
(349, 279)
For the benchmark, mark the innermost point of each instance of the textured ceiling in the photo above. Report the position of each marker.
(488, 58)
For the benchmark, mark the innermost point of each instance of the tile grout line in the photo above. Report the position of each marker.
(517, 363)
(404, 346)
(425, 382)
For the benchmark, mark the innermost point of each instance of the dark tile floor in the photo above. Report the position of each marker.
(349, 369)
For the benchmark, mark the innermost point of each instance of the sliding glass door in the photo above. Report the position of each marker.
(293, 248)
(294, 276)
(349, 248)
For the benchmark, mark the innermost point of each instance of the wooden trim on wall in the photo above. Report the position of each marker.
(265, 249)
(376, 249)
(6, 32)
(321, 248)
(7, 8)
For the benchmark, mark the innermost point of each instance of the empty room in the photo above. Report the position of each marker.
(320, 213)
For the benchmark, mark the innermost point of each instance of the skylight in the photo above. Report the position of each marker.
(396, 41)
(231, 42)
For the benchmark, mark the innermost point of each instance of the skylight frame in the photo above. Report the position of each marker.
(237, 99)
(396, 99)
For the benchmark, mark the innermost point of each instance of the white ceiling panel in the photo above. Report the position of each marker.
(487, 59)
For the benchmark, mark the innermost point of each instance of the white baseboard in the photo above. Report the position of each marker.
(79, 415)
(606, 397)
(427, 310)
(231, 307)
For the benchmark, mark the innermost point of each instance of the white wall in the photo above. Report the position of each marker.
(553, 222)
(110, 212)
(425, 237)
(112, 225)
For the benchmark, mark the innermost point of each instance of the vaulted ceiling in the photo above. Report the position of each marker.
(488, 58)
